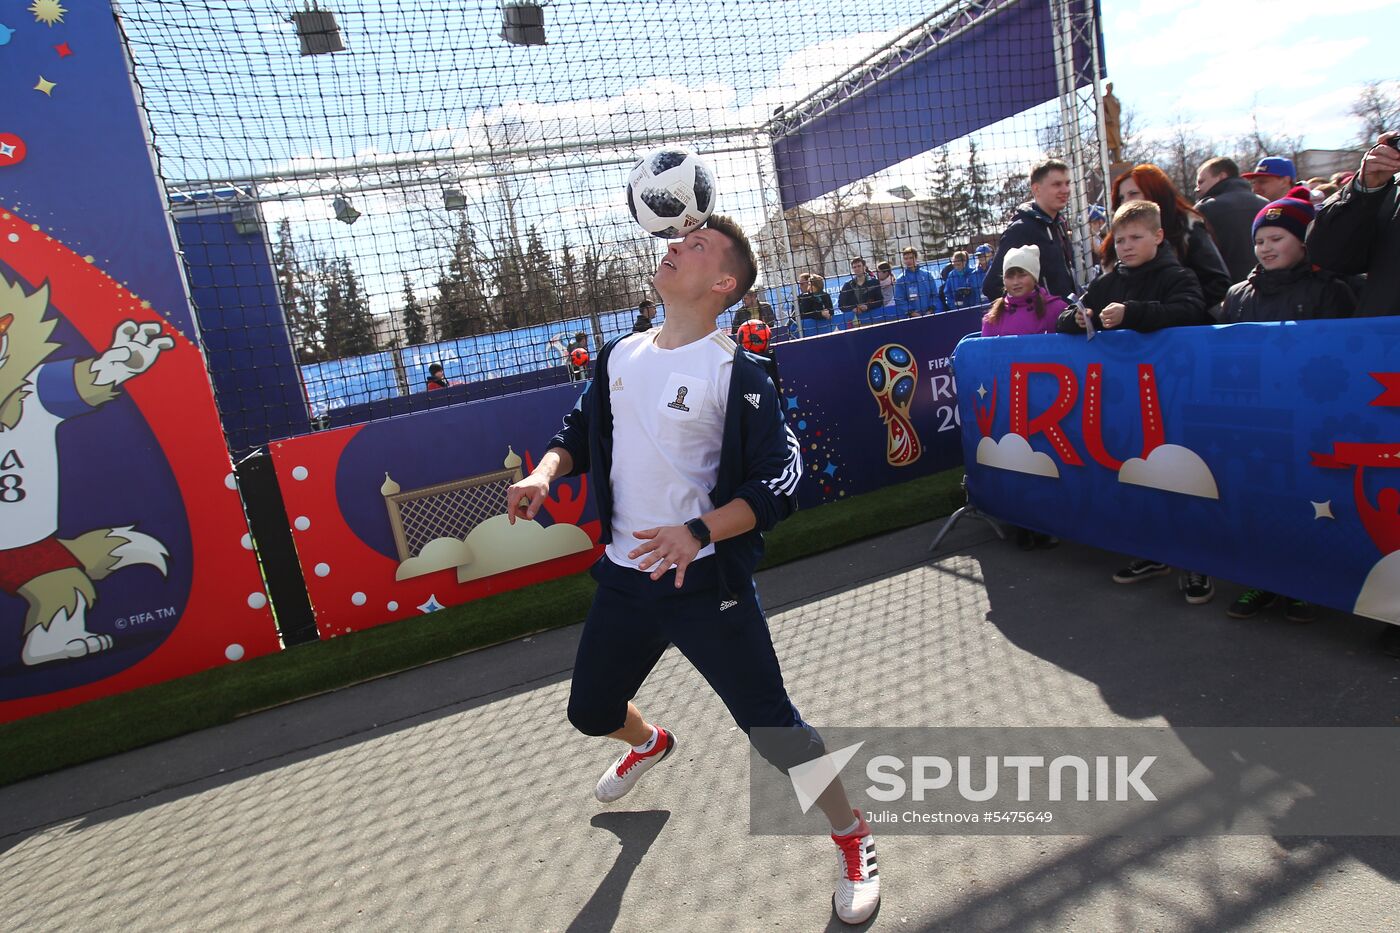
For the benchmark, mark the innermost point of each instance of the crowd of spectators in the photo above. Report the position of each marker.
(1258, 246)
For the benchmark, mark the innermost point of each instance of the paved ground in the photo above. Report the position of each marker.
(457, 796)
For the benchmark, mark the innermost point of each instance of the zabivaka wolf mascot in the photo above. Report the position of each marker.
(55, 576)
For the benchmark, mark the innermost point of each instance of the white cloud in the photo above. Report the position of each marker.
(1380, 594)
(1171, 468)
(1013, 452)
(501, 546)
(438, 554)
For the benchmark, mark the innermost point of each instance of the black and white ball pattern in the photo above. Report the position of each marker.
(670, 192)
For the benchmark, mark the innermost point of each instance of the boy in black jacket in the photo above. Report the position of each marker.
(1147, 290)
(1285, 286)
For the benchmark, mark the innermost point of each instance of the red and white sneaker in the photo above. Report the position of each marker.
(628, 769)
(858, 886)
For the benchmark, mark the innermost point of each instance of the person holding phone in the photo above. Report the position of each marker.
(1358, 229)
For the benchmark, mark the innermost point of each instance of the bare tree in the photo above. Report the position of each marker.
(1378, 109)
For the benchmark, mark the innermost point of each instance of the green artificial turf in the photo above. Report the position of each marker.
(140, 717)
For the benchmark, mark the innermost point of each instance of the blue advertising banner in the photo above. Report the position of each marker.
(874, 406)
(1261, 453)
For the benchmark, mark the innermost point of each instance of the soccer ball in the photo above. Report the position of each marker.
(754, 336)
(578, 356)
(670, 192)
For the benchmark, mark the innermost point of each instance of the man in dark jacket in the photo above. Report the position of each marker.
(646, 313)
(690, 460)
(1040, 221)
(1228, 202)
(1358, 230)
(862, 293)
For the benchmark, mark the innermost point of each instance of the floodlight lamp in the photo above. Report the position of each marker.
(245, 220)
(344, 211)
(522, 22)
(903, 192)
(453, 199)
(317, 30)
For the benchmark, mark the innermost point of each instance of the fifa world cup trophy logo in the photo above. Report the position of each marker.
(892, 376)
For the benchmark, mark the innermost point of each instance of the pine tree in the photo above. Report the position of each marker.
(415, 325)
(460, 310)
(940, 217)
(297, 290)
(541, 289)
(978, 195)
(349, 324)
(511, 304)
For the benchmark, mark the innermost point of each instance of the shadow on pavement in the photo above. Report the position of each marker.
(635, 833)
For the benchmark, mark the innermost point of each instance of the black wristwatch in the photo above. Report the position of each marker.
(700, 530)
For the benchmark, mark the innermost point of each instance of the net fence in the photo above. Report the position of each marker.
(421, 189)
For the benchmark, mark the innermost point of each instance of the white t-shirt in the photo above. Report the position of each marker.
(668, 427)
(29, 473)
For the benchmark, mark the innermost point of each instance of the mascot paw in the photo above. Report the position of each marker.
(57, 641)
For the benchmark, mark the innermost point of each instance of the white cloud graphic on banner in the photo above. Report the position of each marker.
(1172, 468)
(1380, 594)
(499, 546)
(1013, 452)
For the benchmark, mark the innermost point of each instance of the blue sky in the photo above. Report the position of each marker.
(1213, 63)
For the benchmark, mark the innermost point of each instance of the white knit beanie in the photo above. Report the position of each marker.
(1023, 257)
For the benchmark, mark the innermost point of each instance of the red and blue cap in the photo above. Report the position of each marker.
(1275, 166)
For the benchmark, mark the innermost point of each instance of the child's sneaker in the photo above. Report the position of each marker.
(1141, 570)
(858, 885)
(1251, 603)
(624, 773)
(1300, 611)
(1197, 588)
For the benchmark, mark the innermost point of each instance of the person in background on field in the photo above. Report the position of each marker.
(646, 313)
(960, 287)
(915, 291)
(983, 256)
(752, 309)
(814, 304)
(436, 378)
(861, 293)
(884, 274)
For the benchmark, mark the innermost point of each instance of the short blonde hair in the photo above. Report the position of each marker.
(1146, 213)
(960, 254)
(816, 281)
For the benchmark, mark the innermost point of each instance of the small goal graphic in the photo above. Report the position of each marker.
(446, 510)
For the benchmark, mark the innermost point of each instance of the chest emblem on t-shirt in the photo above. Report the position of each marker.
(751, 398)
(617, 384)
(679, 404)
